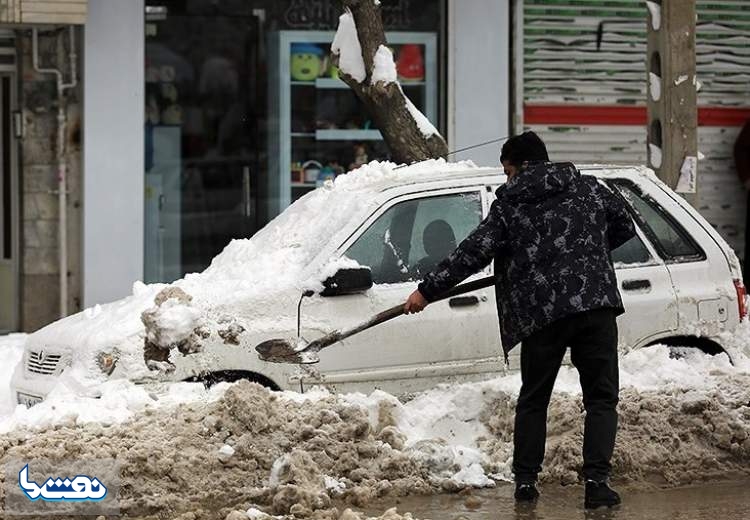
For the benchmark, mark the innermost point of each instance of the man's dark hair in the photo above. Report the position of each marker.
(524, 147)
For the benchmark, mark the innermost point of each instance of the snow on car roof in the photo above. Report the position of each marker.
(376, 176)
(379, 176)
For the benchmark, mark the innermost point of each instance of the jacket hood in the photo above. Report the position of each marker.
(538, 181)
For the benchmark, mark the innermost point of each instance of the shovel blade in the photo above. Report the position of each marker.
(284, 351)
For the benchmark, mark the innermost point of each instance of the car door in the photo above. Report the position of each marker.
(647, 293)
(699, 272)
(449, 341)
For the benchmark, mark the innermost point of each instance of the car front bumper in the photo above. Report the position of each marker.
(29, 389)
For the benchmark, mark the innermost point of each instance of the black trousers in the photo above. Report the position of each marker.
(592, 338)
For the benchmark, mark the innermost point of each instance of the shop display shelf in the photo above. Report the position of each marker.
(348, 135)
(303, 104)
(335, 83)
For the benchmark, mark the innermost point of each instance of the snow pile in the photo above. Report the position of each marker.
(173, 319)
(682, 419)
(346, 46)
(173, 322)
(119, 402)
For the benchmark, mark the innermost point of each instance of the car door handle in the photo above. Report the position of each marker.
(636, 285)
(463, 301)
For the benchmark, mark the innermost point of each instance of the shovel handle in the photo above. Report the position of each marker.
(395, 312)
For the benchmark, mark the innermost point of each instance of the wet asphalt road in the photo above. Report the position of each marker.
(721, 501)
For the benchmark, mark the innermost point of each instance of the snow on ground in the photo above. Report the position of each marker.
(183, 448)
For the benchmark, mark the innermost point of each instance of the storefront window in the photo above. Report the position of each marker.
(245, 113)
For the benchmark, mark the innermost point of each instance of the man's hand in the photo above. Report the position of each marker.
(415, 303)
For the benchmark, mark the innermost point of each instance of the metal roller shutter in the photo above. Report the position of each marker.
(589, 104)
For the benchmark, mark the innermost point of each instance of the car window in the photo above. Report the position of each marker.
(411, 237)
(670, 239)
(631, 252)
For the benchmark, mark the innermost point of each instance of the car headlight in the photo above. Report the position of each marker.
(107, 361)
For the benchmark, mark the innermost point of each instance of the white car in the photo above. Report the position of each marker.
(680, 282)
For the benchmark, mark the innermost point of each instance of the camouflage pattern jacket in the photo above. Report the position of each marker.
(550, 232)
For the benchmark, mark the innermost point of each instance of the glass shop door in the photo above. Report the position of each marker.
(201, 129)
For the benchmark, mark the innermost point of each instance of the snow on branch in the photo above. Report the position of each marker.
(366, 64)
(346, 46)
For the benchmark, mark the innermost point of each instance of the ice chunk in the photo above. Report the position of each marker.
(225, 453)
(226, 450)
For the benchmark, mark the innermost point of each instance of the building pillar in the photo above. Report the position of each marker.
(113, 149)
(478, 77)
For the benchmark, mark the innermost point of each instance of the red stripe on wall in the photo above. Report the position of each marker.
(720, 116)
(623, 115)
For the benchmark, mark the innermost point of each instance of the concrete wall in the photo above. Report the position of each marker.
(479, 77)
(113, 149)
(40, 287)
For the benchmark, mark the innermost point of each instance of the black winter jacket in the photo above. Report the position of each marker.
(550, 232)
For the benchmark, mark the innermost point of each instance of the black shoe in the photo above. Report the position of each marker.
(600, 494)
(526, 492)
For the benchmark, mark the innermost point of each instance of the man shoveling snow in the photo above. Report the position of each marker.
(550, 232)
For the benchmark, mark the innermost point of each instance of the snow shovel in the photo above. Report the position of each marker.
(285, 351)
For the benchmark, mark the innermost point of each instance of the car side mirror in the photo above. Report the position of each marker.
(348, 281)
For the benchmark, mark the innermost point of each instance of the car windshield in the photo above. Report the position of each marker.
(279, 256)
(292, 240)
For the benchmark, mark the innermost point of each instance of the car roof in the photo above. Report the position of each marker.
(463, 176)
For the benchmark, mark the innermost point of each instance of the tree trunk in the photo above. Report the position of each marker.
(386, 102)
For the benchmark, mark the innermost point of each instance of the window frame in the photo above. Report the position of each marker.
(368, 221)
(648, 231)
